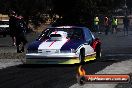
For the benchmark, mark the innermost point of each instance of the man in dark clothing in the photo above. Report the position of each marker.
(17, 31)
(126, 24)
(20, 36)
(106, 24)
(12, 26)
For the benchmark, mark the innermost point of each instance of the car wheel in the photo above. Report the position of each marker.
(98, 52)
(82, 55)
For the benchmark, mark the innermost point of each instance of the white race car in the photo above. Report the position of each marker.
(64, 45)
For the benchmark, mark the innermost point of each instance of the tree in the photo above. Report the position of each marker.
(84, 10)
(79, 11)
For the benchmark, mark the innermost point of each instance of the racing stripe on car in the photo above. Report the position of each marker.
(54, 40)
(52, 43)
(66, 41)
(72, 44)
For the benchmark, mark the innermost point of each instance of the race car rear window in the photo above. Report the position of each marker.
(55, 35)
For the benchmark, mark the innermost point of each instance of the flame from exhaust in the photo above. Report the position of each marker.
(81, 71)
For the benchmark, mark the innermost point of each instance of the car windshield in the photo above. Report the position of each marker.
(74, 33)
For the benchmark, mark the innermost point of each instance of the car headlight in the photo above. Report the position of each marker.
(73, 50)
(39, 51)
(57, 51)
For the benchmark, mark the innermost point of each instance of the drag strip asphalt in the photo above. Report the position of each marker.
(46, 76)
(114, 49)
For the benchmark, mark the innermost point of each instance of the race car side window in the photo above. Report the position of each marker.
(77, 34)
(88, 36)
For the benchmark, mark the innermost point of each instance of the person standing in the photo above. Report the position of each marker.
(126, 24)
(106, 24)
(96, 24)
(12, 26)
(114, 25)
(20, 34)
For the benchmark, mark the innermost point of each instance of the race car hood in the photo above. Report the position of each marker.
(52, 44)
(66, 44)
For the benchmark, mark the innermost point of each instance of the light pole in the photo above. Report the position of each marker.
(125, 6)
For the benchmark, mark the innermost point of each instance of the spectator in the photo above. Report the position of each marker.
(106, 24)
(20, 34)
(126, 24)
(96, 24)
(114, 25)
(12, 26)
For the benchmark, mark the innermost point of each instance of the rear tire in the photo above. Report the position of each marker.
(98, 52)
(82, 55)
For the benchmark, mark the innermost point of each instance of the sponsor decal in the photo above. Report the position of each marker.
(82, 78)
